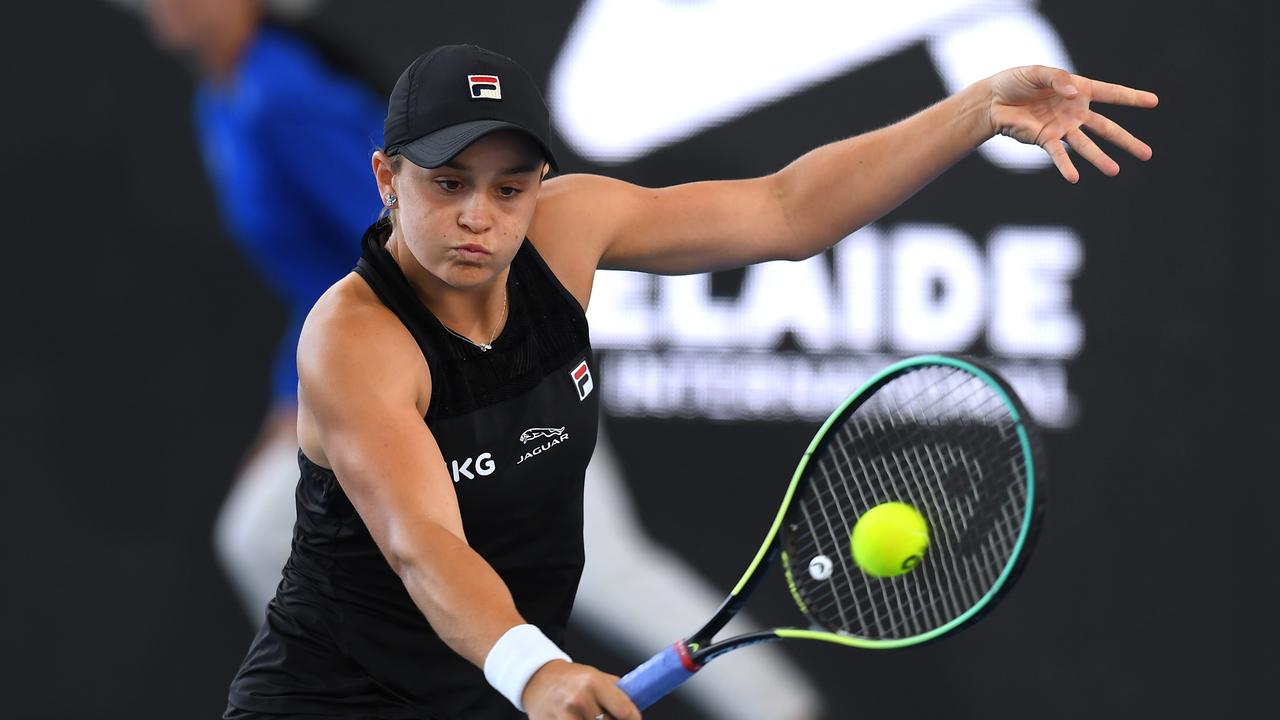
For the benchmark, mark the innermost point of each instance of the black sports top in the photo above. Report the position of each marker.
(517, 426)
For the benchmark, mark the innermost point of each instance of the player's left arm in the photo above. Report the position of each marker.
(829, 192)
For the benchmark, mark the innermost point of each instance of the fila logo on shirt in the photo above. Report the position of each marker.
(484, 465)
(485, 87)
(582, 380)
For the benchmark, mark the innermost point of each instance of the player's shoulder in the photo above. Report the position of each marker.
(574, 219)
(350, 332)
(572, 205)
(582, 189)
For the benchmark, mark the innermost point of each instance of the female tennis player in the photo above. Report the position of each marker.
(447, 406)
(296, 198)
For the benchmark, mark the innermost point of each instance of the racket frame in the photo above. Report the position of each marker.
(702, 650)
(675, 664)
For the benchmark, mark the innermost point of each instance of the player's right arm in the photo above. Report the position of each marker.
(363, 390)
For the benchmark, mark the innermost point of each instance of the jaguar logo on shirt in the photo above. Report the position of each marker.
(540, 432)
(552, 436)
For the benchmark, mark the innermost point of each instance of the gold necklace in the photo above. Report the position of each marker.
(485, 347)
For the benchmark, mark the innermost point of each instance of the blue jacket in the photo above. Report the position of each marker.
(287, 144)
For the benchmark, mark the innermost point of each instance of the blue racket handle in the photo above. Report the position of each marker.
(659, 675)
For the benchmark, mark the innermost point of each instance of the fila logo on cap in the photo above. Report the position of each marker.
(582, 380)
(485, 87)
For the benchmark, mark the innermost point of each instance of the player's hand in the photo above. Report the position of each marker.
(569, 691)
(1046, 106)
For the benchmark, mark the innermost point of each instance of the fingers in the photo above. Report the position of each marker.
(1118, 136)
(1068, 86)
(1121, 95)
(1076, 114)
(1090, 151)
(585, 694)
(1059, 80)
(1061, 160)
(615, 703)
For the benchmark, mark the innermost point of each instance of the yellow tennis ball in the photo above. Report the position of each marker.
(889, 539)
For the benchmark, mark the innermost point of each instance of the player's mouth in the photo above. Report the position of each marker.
(472, 251)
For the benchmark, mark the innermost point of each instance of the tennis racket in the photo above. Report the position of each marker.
(943, 434)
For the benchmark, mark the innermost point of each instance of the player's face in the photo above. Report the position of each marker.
(464, 221)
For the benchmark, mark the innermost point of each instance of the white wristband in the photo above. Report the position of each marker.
(517, 655)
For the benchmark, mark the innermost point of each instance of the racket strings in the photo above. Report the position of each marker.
(919, 601)
(909, 463)
(941, 440)
(949, 575)
(923, 606)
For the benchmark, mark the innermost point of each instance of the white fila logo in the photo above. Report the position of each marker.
(582, 380)
(484, 465)
(484, 87)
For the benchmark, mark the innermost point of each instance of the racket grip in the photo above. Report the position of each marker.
(659, 675)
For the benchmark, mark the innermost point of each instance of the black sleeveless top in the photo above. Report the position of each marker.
(517, 426)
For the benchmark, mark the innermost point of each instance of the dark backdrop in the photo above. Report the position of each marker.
(136, 340)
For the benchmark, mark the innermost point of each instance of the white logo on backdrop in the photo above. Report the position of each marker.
(877, 296)
(636, 75)
(703, 62)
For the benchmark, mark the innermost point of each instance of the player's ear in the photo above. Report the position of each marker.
(384, 172)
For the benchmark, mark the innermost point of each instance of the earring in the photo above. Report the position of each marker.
(392, 199)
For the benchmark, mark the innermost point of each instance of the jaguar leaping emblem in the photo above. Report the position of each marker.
(534, 433)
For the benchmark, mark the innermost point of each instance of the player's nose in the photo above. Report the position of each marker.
(476, 215)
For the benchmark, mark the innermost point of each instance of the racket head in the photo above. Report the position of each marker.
(948, 436)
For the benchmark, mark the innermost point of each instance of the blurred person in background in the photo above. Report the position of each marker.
(286, 133)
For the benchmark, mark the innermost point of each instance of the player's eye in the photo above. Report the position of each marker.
(507, 191)
(448, 185)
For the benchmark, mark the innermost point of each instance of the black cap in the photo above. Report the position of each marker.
(455, 94)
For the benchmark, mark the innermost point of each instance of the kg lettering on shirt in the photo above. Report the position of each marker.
(482, 464)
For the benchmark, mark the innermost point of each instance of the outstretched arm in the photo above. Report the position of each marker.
(829, 192)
